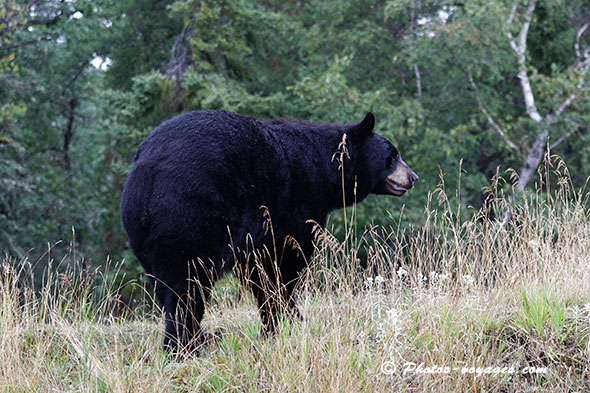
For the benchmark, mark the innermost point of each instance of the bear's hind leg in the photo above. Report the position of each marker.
(184, 306)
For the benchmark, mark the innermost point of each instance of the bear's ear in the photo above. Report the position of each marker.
(363, 129)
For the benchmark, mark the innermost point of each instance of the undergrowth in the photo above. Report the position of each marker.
(497, 302)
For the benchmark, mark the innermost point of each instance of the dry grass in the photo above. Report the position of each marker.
(453, 305)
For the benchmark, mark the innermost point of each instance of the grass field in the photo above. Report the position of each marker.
(452, 306)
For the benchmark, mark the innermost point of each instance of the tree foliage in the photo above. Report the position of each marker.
(83, 82)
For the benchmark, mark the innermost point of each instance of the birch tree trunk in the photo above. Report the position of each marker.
(540, 144)
(532, 160)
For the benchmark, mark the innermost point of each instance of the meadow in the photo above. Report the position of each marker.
(495, 302)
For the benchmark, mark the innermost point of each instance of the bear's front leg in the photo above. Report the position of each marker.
(273, 286)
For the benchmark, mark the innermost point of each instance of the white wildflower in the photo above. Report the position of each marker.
(443, 277)
(393, 316)
(421, 280)
(401, 273)
(379, 280)
(388, 324)
(534, 243)
(575, 311)
(467, 280)
(369, 283)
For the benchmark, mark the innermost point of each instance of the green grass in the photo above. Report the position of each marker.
(467, 306)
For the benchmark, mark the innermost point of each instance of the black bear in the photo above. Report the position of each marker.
(212, 191)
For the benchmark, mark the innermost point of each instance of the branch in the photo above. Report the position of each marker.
(25, 43)
(550, 118)
(581, 31)
(583, 66)
(81, 68)
(494, 125)
(416, 69)
(418, 80)
(572, 122)
(47, 21)
(527, 91)
(520, 49)
(180, 58)
(511, 16)
(560, 139)
(568, 101)
(69, 131)
(576, 129)
(508, 23)
(567, 134)
(177, 42)
(525, 26)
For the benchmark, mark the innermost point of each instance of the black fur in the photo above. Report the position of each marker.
(196, 190)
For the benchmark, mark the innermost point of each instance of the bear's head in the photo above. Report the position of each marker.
(378, 165)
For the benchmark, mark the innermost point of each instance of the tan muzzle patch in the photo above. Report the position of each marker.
(400, 180)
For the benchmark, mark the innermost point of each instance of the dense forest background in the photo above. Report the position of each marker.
(485, 85)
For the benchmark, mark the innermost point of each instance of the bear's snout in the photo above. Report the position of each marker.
(401, 179)
(413, 177)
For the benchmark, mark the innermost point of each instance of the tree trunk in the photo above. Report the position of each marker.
(69, 132)
(418, 81)
(532, 161)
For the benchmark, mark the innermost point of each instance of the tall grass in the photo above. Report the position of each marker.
(479, 304)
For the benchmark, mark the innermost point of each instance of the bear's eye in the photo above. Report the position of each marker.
(392, 157)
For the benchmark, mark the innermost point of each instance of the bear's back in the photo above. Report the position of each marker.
(199, 173)
(200, 135)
